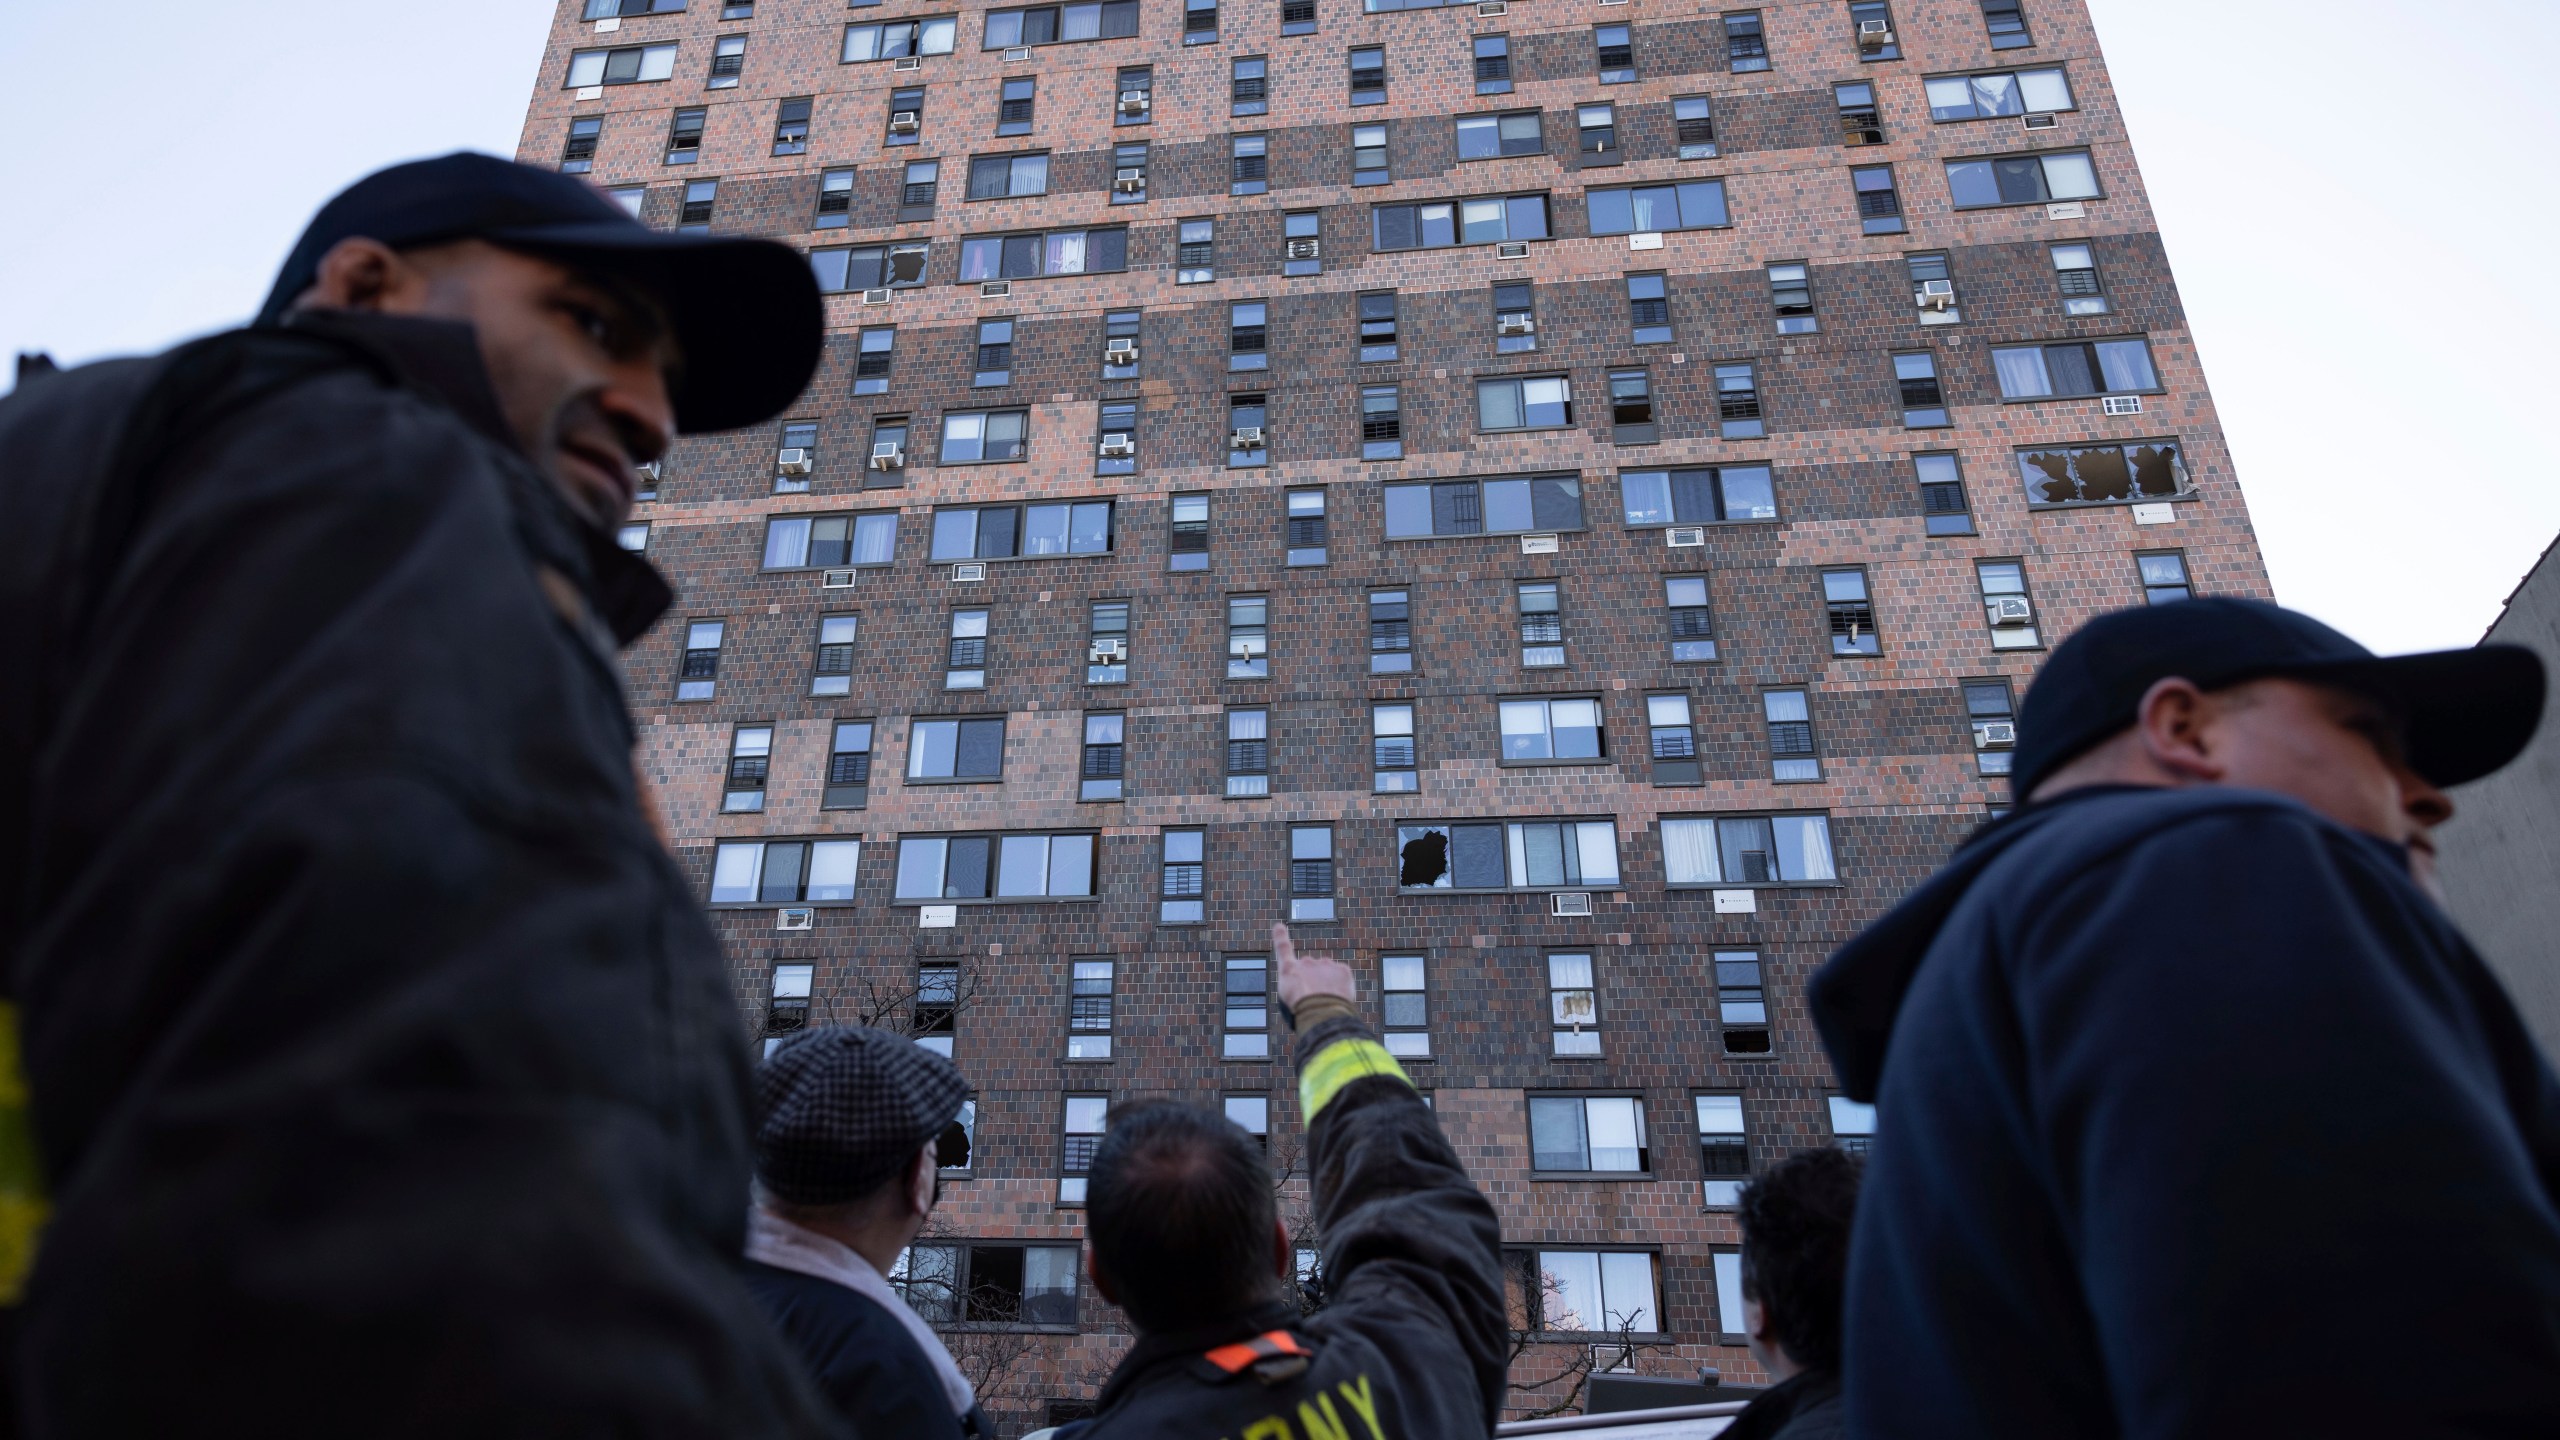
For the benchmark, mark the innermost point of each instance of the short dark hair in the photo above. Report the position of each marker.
(1179, 1206)
(1795, 1250)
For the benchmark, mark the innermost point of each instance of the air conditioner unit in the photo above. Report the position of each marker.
(888, 455)
(968, 571)
(794, 917)
(2042, 120)
(1302, 249)
(1936, 295)
(905, 122)
(1511, 250)
(1515, 325)
(1570, 902)
(648, 472)
(1248, 437)
(1129, 182)
(1685, 537)
(1874, 34)
(2123, 404)
(1118, 447)
(1134, 102)
(1018, 52)
(875, 297)
(1492, 7)
(1991, 734)
(1107, 652)
(994, 289)
(2010, 609)
(1544, 543)
(907, 62)
(793, 461)
(1120, 352)
(836, 580)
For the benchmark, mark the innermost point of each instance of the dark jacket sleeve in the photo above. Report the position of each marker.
(1412, 1249)
(2280, 1125)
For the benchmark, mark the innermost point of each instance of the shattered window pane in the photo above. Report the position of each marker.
(1422, 856)
(2101, 474)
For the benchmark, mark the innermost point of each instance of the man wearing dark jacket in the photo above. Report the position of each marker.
(1795, 1264)
(1185, 1238)
(2188, 1091)
(380, 1063)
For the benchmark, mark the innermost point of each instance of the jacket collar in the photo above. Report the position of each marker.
(1155, 1348)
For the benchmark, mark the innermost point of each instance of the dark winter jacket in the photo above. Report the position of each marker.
(1410, 1344)
(382, 1064)
(2196, 1118)
(865, 1362)
(1804, 1406)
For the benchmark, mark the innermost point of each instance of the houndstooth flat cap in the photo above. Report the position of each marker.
(841, 1111)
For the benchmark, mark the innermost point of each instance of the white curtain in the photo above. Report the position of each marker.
(1689, 852)
(2022, 372)
(1804, 847)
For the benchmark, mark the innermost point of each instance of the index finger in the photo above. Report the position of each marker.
(1284, 951)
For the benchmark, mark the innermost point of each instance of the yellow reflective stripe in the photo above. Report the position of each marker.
(23, 1205)
(1337, 1065)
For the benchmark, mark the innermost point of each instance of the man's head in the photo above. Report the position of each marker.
(848, 1121)
(602, 338)
(1795, 1259)
(1184, 1225)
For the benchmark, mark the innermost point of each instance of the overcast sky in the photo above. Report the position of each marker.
(2356, 196)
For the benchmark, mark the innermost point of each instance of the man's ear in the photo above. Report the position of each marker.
(2172, 724)
(1284, 1260)
(361, 273)
(921, 1177)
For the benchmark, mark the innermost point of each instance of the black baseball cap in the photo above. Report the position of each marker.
(745, 311)
(2467, 712)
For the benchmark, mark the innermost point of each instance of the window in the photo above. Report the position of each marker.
(956, 750)
(789, 1008)
(1188, 541)
(2102, 474)
(1580, 1133)
(1615, 53)
(1871, 25)
(791, 127)
(1693, 635)
(693, 213)
(1129, 173)
(1248, 164)
(1573, 1003)
(1459, 222)
(1248, 753)
(1596, 1292)
(1738, 414)
(1860, 122)
(888, 452)
(906, 116)
(1791, 752)
(1247, 432)
(1195, 256)
(1377, 332)
(738, 9)
(1120, 344)
(633, 537)
(873, 353)
(827, 542)
(1649, 309)
(1184, 877)
(1116, 421)
(728, 62)
(968, 651)
(1879, 206)
(1675, 740)
(1297, 17)
(1248, 335)
(1391, 743)
(1694, 127)
(1248, 636)
(869, 267)
(629, 65)
(1631, 408)
(1136, 101)
(1933, 288)
(1697, 497)
(2075, 270)
(1485, 137)
(1993, 717)
(995, 867)
(1493, 64)
(1248, 1009)
(1369, 155)
(1310, 872)
(1006, 532)
(1199, 22)
(1089, 1010)
(969, 436)
(1742, 1002)
(750, 758)
(1791, 294)
(998, 177)
(1980, 97)
(995, 354)
(1735, 850)
(1306, 528)
(1851, 614)
(1055, 24)
(2006, 604)
(784, 872)
(1646, 209)
(1302, 243)
(900, 38)
(1521, 505)
(2105, 367)
(1596, 130)
(2022, 179)
(578, 154)
(1544, 731)
(1746, 48)
(1724, 1151)
(1252, 1115)
(1104, 757)
(1381, 424)
(2164, 576)
(613, 9)
(1520, 855)
(699, 670)
(1515, 317)
(1107, 645)
(1924, 402)
(1369, 75)
(989, 1284)
(1532, 403)
(1853, 1125)
(630, 198)
(1080, 1136)
(1015, 101)
(849, 766)
(1943, 508)
(796, 458)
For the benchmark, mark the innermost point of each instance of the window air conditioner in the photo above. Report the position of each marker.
(648, 472)
(1936, 295)
(1107, 652)
(792, 461)
(888, 455)
(968, 571)
(994, 289)
(1018, 52)
(794, 917)
(1492, 7)
(1685, 537)
(2010, 610)
(1134, 102)
(836, 580)
(1571, 902)
(1118, 447)
(1515, 325)
(1545, 543)
(2042, 120)
(907, 62)
(875, 297)
(1302, 249)
(2124, 404)
(905, 122)
(1511, 250)
(1129, 182)
(1990, 734)
(1120, 352)
(1874, 34)
(1247, 437)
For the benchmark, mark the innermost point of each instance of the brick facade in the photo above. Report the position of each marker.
(1899, 782)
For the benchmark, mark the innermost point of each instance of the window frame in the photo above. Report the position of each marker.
(995, 864)
(1510, 886)
(1644, 1169)
(1458, 222)
(1390, 492)
(1715, 820)
(960, 726)
(802, 887)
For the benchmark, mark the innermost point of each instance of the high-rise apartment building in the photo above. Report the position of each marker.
(1558, 500)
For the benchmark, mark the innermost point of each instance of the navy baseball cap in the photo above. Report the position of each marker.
(2466, 712)
(746, 312)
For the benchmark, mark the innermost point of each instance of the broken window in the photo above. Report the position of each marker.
(869, 267)
(2103, 474)
(1631, 408)
(1736, 850)
(1521, 855)
(1860, 122)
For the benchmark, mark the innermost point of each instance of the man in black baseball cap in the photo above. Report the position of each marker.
(2185, 1082)
(382, 1067)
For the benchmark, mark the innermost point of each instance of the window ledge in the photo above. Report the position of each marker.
(1694, 888)
(1597, 760)
(919, 780)
(2068, 399)
(1611, 1176)
(912, 901)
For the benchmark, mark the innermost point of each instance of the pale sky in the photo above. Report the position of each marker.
(2356, 195)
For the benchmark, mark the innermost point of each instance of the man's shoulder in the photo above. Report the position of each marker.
(825, 1318)
(2122, 832)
